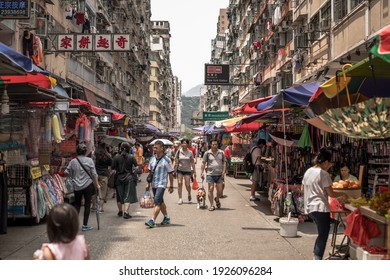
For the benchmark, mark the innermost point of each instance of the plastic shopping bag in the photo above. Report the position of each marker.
(146, 200)
(195, 185)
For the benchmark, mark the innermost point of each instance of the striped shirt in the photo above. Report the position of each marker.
(164, 167)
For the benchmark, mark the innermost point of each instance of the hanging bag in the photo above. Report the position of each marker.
(195, 184)
(146, 200)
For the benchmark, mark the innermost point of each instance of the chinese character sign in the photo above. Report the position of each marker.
(14, 9)
(121, 42)
(84, 42)
(103, 42)
(93, 42)
(66, 42)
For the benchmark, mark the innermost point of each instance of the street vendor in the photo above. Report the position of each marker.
(345, 173)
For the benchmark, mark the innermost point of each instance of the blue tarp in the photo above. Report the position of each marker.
(299, 95)
(16, 58)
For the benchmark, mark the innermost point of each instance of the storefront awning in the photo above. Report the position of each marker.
(13, 63)
(30, 93)
(38, 80)
(250, 107)
(114, 115)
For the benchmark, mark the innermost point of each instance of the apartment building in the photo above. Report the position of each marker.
(163, 86)
(113, 80)
(275, 44)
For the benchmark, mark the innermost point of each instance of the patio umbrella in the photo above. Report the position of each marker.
(165, 141)
(114, 141)
(368, 119)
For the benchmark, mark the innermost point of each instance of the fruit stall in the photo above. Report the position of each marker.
(376, 209)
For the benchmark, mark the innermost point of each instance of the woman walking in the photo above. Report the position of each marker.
(184, 163)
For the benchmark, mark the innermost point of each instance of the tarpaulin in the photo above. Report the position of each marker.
(114, 115)
(37, 80)
(8, 54)
(250, 107)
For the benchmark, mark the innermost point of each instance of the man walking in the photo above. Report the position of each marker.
(124, 164)
(160, 168)
(214, 163)
(257, 175)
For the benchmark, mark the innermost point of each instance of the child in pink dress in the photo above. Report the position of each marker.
(62, 229)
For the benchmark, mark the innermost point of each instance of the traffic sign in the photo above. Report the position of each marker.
(215, 116)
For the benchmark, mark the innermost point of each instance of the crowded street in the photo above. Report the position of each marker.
(240, 229)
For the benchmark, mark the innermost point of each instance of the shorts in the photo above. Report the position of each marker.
(257, 174)
(184, 173)
(217, 179)
(158, 195)
(103, 192)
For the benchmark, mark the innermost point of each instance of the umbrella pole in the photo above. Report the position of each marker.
(284, 147)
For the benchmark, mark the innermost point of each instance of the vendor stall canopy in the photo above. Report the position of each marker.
(13, 63)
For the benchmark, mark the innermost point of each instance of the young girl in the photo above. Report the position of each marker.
(62, 229)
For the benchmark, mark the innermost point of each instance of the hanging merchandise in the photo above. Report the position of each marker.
(56, 128)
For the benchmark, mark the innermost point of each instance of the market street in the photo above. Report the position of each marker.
(241, 229)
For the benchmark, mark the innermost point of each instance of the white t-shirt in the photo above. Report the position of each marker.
(315, 181)
(256, 152)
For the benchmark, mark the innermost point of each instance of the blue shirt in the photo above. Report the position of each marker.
(164, 167)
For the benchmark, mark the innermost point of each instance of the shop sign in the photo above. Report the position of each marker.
(14, 9)
(215, 116)
(216, 74)
(105, 119)
(35, 172)
(92, 42)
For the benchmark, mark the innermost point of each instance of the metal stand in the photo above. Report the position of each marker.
(339, 251)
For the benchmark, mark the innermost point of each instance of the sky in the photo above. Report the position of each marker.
(193, 26)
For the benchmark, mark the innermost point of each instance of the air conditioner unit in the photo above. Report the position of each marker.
(93, 29)
(325, 24)
(41, 27)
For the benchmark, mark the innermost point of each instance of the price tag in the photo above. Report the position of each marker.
(47, 167)
(35, 172)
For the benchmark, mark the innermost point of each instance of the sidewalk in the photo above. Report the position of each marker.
(241, 229)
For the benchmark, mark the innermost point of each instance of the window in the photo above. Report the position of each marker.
(355, 3)
(225, 100)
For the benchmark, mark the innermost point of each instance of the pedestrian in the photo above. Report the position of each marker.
(82, 171)
(124, 164)
(184, 166)
(257, 175)
(174, 149)
(103, 162)
(160, 168)
(228, 156)
(192, 149)
(62, 226)
(317, 185)
(139, 156)
(214, 163)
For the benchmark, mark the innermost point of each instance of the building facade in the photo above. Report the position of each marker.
(271, 45)
(113, 80)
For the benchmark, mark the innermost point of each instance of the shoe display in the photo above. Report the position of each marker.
(166, 221)
(85, 228)
(253, 198)
(126, 215)
(120, 213)
(150, 223)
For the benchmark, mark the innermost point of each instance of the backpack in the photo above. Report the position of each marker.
(249, 166)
